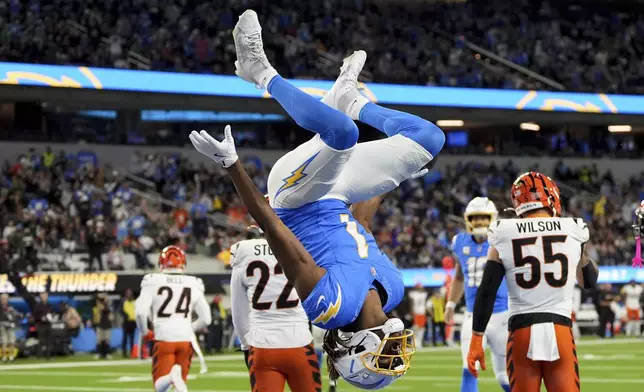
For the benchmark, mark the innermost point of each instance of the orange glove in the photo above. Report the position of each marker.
(148, 336)
(476, 353)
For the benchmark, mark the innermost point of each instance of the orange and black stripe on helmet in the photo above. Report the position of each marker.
(172, 257)
(533, 190)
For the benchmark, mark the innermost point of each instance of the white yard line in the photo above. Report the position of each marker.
(234, 371)
(146, 377)
(98, 363)
(584, 380)
(4, 387)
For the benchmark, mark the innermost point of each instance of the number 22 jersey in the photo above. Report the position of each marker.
(540, 256)
(266, 309)
(170, 299)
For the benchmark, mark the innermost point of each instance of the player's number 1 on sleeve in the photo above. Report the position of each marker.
(361, 242)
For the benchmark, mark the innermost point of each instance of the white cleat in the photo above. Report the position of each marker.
(177, 381)
(252, 64)
(344, 95)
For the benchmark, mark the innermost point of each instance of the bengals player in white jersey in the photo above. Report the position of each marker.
(271, 324)
(632, 293)
(539, 254)
(419, 303)
(168, 298)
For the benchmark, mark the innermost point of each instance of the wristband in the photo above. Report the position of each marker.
(450, 305)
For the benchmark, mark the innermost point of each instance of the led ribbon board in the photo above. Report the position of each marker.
(232, 86)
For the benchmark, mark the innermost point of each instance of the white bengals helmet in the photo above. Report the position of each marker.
(477, 207)
(375, 357)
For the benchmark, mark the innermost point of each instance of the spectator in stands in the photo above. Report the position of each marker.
(96, 242)
(141, 254)
(129, 322)
(116, 258)
(102, 319)
(5, 257)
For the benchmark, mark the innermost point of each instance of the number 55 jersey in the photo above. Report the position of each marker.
(171, 299)
(540, 256)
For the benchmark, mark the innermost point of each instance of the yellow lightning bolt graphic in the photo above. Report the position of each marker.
(553, 104)
(14, 77)
(296, 175)
(331, 311)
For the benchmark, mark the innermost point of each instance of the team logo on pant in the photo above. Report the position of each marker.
(296, 175)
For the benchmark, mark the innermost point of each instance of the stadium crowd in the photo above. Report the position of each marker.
(586, 48)
(63, 204)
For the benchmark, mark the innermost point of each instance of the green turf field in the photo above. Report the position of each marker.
(605, 365)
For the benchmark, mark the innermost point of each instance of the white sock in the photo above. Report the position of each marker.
(163, 383)
(352, 103)
(266, 76)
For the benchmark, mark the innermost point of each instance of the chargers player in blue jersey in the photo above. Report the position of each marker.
(470, 248)
(346, 283)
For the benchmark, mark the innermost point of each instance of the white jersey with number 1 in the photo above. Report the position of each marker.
(169, 300)
(540, 256)
(266, 309)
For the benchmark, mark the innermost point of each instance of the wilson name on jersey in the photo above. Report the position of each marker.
(173, 298)
(272, 298)
(540, 256)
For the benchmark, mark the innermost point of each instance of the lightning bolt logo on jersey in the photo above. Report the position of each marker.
(472, 257)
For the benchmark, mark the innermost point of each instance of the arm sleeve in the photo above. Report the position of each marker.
(240, 306)
(143, 305)
(486, 295)
(204, 316)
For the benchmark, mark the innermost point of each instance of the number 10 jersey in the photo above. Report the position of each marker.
(540, 256)
(171, 299)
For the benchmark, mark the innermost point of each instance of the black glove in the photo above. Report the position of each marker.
(246, 355)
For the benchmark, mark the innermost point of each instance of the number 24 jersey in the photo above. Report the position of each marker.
(171, 299)
(540, 256)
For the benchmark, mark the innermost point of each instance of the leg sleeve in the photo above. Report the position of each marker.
(335, 128)
(392, 122)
